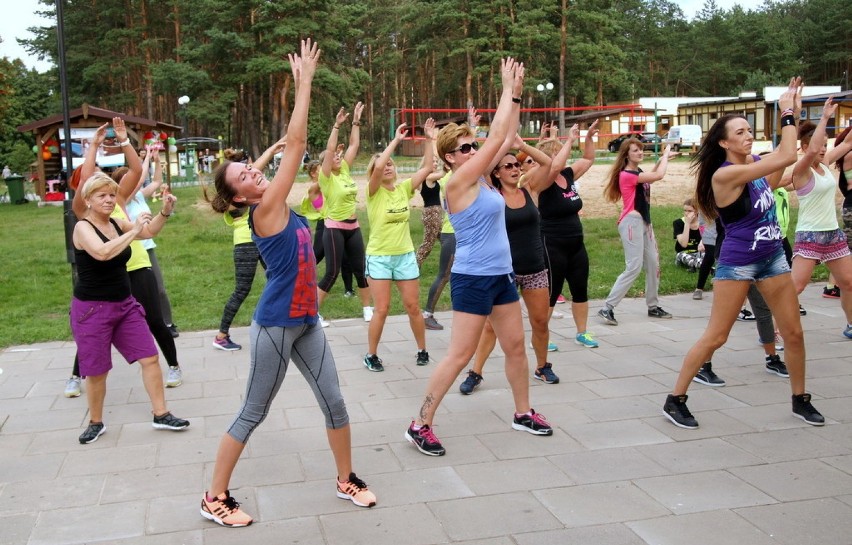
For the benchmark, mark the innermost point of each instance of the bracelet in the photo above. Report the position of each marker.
(335, 127)
(516, 100)
(788, 120)
(356, 123)
(125, 143)
(788, 111)
(167, 216)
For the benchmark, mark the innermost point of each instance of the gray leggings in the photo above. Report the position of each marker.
(762, 316)
(271, 350)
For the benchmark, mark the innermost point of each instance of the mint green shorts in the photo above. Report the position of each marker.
(393, 267)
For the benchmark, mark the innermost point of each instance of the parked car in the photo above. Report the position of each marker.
(683, 136)
(650, 141)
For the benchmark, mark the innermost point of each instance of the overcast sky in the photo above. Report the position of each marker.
(18, 15)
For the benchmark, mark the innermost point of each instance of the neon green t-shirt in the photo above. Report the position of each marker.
(446, 226)
(388, 213)
(782, 209)
(306, 208)
(340, 193)
(242, 231)
(139, 258)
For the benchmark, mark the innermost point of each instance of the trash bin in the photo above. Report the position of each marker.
(15, 184)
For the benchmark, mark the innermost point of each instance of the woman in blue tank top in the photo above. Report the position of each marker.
(481, 279)
(736, 186)
(285, 322)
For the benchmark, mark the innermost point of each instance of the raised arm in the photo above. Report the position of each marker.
(658, 172)
(130, 155)
(840, 150)
(354, 135)
(268, 217)
(536, 177)
(78, 205)
(157, 180)
(266, 157)
(128, 188)
(382, 160)
(802, 168)
(584, 163)
(331, 145)
(428, 163)
(783, 156)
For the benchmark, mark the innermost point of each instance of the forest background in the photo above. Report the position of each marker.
(229, 56)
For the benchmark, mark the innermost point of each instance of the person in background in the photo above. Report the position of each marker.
(689, 250)
(708, 240)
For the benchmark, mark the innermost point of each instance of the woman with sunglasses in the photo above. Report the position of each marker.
(482, 282)
(339, 190)
(390, 250)
(284, 326)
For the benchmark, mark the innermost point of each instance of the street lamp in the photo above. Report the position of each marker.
(545, 89)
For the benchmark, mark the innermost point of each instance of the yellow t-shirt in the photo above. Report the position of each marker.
(306, 208)
(242, 231)
(340, 193)
(446, 226)
(138, 255)
(388, 213)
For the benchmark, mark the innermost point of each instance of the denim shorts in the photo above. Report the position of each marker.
(479, 294)
(765, 268)
(98, 324)
(392, 267)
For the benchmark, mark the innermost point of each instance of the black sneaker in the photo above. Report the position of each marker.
(533, 423)
(745, 315)
(546, 374)
(803, 409)
(173, 330)
(608, 316)
(675, 410)
(802, 311)
(373, 363)
(169, 421)
(658, 312)
(422, 357)
(831, 293)
(95, 430)
(472, 382)
(424, 439)
(707, 377)
(775, 365)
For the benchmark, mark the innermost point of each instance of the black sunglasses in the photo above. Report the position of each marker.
(510, 166)
(465, 148)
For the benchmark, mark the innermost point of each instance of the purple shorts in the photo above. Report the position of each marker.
(98, 324)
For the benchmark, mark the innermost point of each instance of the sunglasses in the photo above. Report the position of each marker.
(510, 166)
(465, 148)
(529, 160)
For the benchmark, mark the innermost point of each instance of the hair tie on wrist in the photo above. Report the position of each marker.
(516, 100)
(356, 123)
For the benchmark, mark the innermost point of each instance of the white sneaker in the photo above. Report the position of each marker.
(368, 314)
(557, 315)
(72, 387)
(174, 378)
(322, 321)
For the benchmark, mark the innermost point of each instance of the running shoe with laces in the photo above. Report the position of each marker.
(585, 339)
(321, 321)
(532, 422)
(775, 366)
(424, 439)
(707, 377)
(72, 386)
(93, 431)
(355, 490)
(560, 299)
(848, 331)
(169, 421)
(698, 295)
(551, 347)
(658, 312)
(745, 315)
(173, 331)
(224, 510)
(373, 363)
(831, 293)
(471, 383)
(802, 311)
(348, 293)
(608, 316)
(556, 315)
(546, 374)
(174, 377)
(803, 409)
(226, 344)
(432, 324)
(422, 357)
(675, 409)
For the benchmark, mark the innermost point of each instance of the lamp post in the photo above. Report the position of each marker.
(544, 89)
(188, 149)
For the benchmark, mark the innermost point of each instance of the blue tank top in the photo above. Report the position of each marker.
(752, 232)
(290, 295)
(482, 246)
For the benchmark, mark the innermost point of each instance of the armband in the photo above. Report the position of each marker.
(516, 100)
(788, 121)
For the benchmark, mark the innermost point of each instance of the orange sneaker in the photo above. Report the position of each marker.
(224, 510)
(356, 490)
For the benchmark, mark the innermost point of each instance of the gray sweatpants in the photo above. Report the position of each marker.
(272, 348)
(640, 251)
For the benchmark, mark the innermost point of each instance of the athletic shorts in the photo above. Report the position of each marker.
(392, 267)
(533, 281)
(96, 325)
(821, 246)
(479, 294)
(765, 268)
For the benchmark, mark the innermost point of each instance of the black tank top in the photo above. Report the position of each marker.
(560, 208)
(523, 225)
(431, 195)
(102, 280)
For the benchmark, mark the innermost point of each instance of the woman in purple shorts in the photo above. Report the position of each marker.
(819, 238)
(736, 186)
(481, 282)
(103, 312)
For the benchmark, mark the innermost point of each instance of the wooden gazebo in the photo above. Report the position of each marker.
(84, 117)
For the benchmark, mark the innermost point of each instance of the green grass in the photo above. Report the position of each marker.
(195, 253)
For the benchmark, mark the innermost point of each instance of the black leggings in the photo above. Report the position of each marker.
(567, 260)
(706, 265)
(336, 242)
(319, 253)
(143, 288)
(246, 258)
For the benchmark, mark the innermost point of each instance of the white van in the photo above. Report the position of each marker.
(683, 136)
